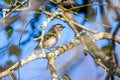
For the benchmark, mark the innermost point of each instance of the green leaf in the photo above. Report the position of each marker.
(36, 16)
(47, 8)
(9, 31)
(8, 1)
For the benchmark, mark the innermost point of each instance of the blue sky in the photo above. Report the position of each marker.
(83, 68)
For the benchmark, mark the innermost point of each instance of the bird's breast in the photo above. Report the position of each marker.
(50, 42)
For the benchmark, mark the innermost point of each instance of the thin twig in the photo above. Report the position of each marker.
(67, 20)
(87, 5)
(23, 62)
(14, 9)
(71, 24)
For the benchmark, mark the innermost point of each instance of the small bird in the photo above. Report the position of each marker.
(52, 37)
(65, 77)
(92, 49)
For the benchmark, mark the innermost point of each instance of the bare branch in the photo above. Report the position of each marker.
(23, 62)
(59, 50)
(105, 35)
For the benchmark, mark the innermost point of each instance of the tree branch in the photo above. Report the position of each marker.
(105, 35)
(23, 62)
(58, 51)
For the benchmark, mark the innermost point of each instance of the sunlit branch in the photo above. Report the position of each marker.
(87, 5)
(59, 50)
(51, 63)
(60, 6)
(13, 9)
(23, 62)
(71, 24)
(99, 59)
(105, 35)
(84, 28)
(67, 20)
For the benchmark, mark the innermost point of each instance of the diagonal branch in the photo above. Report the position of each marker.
(105, 35)
(23, 62)
(58, 51)
(14, 9)
(51, 63)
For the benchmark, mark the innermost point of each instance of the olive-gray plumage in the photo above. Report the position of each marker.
(52, 37)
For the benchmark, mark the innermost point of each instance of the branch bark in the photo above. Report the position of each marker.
(58, 51)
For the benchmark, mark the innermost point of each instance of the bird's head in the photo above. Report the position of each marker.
(59, 26)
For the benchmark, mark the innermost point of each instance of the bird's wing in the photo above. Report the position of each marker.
(51, 41)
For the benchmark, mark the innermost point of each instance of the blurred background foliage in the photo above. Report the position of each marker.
(19, 29)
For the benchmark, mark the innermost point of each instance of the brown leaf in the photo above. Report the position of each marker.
(14, 50)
